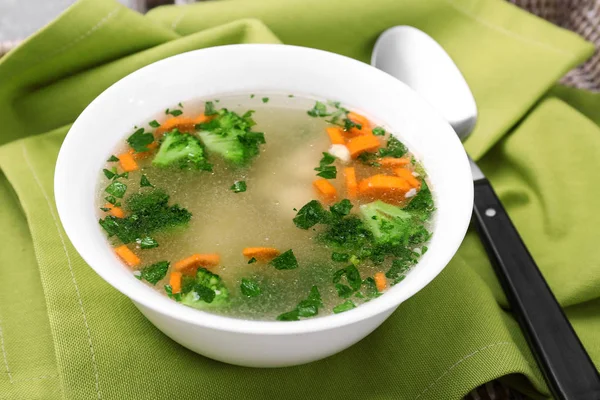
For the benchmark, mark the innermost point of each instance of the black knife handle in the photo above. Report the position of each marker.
(568, 369)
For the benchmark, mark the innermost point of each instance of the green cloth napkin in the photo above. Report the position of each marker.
(66, 334)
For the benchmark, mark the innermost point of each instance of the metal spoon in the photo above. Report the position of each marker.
(419, 61)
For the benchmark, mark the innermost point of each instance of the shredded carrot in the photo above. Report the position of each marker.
(336, 135)
(184, 124)
(261, 253)
(360, 144)
(144, 154)
(380, 281)
(127, 256)
(175, 282)
(351, 185)
(383, 187)
(408, 176)
(365, 125)
(114, 210)
(358, 119)
(197, 260)
(326, 190)
(127, 162)
(392, 162)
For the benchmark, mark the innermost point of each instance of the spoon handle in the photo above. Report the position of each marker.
(568, 369)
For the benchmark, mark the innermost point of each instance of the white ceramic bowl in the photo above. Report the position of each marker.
(252, 69)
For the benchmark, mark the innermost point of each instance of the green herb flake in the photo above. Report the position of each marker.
(105, 209)
(169, 292)
(265, 99)
(310, 214)
(341, 208)
(327, 159)
(286, 260)
(378, 131)
(352, 277)
(112, 200)
(116, 189)
(345, 306)
(319, 110)
(140, 140)
(290, 95)
(289, 316)
(144, 182)
(108, 174)
(327, 171)
(343, 291)
(249, 288)
(209, 108)
(147, 243)
(349, 124)
(174, 113)
(155, 272)
(238, 186)
(394, 148)
(252, 96)
(252, 260)
(113, 158)
(181, 105)
(154, 124)
(339, 257)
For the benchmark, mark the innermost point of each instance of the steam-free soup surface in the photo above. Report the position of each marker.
(278, 181)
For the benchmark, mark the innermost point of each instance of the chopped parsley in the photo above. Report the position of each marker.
(310, 214)
(286, 260)
(349, 124)
(154, 123)
(116, 189)
(369, 159)
(345, 306)
(394, 148)
(105, 209)
(147, 243)
(378, 131)
(352, 276)
(326, 170)
(109, 174)
(113, 158)
(209, 108)
(341, 208)
(238, 186)
(174, 113)
(290, 95)
(144, 182)
(319, 110)
(169, 292)
(112, 200)
(339, 257)
(181, 105)
(343, 291)
(252, 260)
(308, 307)
(249, 288)
(155, 272)
(265, 99)
(140, 140)
(251, 96)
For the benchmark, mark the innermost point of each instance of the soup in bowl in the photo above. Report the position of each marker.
(270, 211)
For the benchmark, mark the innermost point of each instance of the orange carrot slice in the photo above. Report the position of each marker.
(384, 187)
(351, 185)
(175, 282)
(326, 190)
(261, 253)
(407, 175)
(127, 256)
(114, 210)
(184, 124)
(197, 260)
(360, 144)
(359, 119)
(392, 162)
(127, 162)
(336, 135)
(380, 281)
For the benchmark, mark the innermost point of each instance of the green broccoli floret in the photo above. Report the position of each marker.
(392, 225)
(208, 290)
(148, 212)
(181, 150)
(229, 135)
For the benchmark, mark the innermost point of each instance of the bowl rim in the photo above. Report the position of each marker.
(200, 318)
